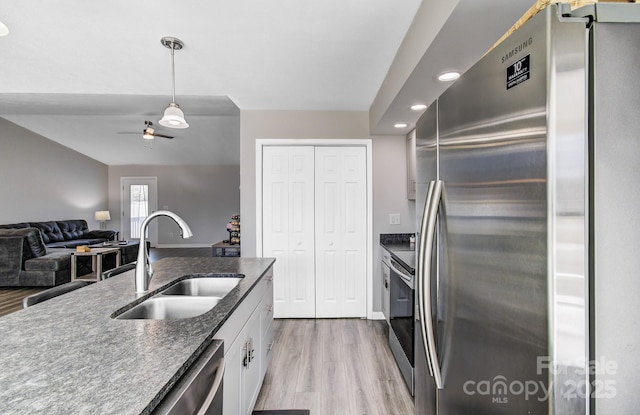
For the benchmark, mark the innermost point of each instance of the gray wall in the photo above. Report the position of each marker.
(389, 196)
(43, 180)
(204, 196)
(389, 169)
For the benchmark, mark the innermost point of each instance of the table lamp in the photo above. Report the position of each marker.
(102, 216)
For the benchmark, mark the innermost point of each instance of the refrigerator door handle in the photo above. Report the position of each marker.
(428, 232)
(420, 276)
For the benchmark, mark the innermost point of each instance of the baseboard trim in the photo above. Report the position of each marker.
(377, 315)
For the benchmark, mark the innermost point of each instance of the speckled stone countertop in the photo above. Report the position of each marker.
(68, 356)
(397, 241)
(400, 248)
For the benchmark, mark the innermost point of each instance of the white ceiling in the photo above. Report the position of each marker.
(80, 72)
(93, 125)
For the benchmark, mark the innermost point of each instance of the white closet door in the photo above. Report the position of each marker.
(288, 212)
(341, 231)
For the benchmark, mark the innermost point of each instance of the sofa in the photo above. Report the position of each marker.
(66, 233)
(38, 254)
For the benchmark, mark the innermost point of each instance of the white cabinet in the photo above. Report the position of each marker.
(386, 275)
(250, 365)
(411, 165)
(248, 337)
(266, 333)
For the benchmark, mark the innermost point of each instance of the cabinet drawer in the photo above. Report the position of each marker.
(266, 309)
(268, 342)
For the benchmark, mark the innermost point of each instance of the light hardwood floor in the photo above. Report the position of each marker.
(334, 367)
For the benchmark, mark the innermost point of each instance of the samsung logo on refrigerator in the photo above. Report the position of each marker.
(513, 52)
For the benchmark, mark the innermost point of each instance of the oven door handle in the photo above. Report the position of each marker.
(425, 260)
(401, 274)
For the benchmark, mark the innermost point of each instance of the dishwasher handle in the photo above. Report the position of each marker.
(215, 387)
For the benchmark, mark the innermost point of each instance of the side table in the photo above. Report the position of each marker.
(96, 255)
(225, 249)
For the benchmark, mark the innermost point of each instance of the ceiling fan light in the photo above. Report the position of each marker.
(173, 117)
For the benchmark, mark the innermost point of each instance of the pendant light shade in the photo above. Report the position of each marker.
(4, 30)
(173, 116)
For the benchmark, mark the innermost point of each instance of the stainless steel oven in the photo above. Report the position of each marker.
(401, 313)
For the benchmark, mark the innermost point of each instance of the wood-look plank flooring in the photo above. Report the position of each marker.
(11, 297)
(334, 366)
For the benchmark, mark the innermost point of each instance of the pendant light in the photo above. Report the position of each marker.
(4, 30)
(173, 115)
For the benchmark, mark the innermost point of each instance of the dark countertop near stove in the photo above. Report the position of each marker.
(400, 249)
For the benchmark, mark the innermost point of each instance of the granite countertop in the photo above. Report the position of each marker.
(68, 356)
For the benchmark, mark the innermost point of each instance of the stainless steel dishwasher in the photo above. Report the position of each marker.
(199, 390)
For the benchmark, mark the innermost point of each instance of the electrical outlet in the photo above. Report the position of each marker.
(394, 219)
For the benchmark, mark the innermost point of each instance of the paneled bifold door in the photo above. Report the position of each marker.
(288, 222)
(315, 225)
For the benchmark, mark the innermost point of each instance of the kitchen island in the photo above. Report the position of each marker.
(69, 356)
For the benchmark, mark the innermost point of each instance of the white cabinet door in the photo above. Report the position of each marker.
(232, 386)
(251, 379)
(266, 330)
(244, 334)
(386, 279)
(288, 211)
(341, 231)
(411, 165)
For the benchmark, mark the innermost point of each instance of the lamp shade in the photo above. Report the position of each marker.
(173, 117)
(102, 215)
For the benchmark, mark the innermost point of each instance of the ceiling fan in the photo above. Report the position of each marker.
(149, 133)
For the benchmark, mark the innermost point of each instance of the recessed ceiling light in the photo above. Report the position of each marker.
(418, 107)
(448, 76)
(4, 30)
(400, 125)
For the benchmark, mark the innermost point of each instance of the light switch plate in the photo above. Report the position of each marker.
(394, 219)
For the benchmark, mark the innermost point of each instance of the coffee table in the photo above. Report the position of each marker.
(225, 249)
(96, 255)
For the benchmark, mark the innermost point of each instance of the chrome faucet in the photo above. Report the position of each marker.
(144, 272)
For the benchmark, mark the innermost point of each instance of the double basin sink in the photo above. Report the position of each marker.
(189, 297)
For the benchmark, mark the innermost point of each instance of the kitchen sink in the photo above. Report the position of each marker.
(204, 286)
(170, 308)
(186, 298)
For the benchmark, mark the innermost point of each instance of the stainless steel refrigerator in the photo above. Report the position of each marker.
(528, 272)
